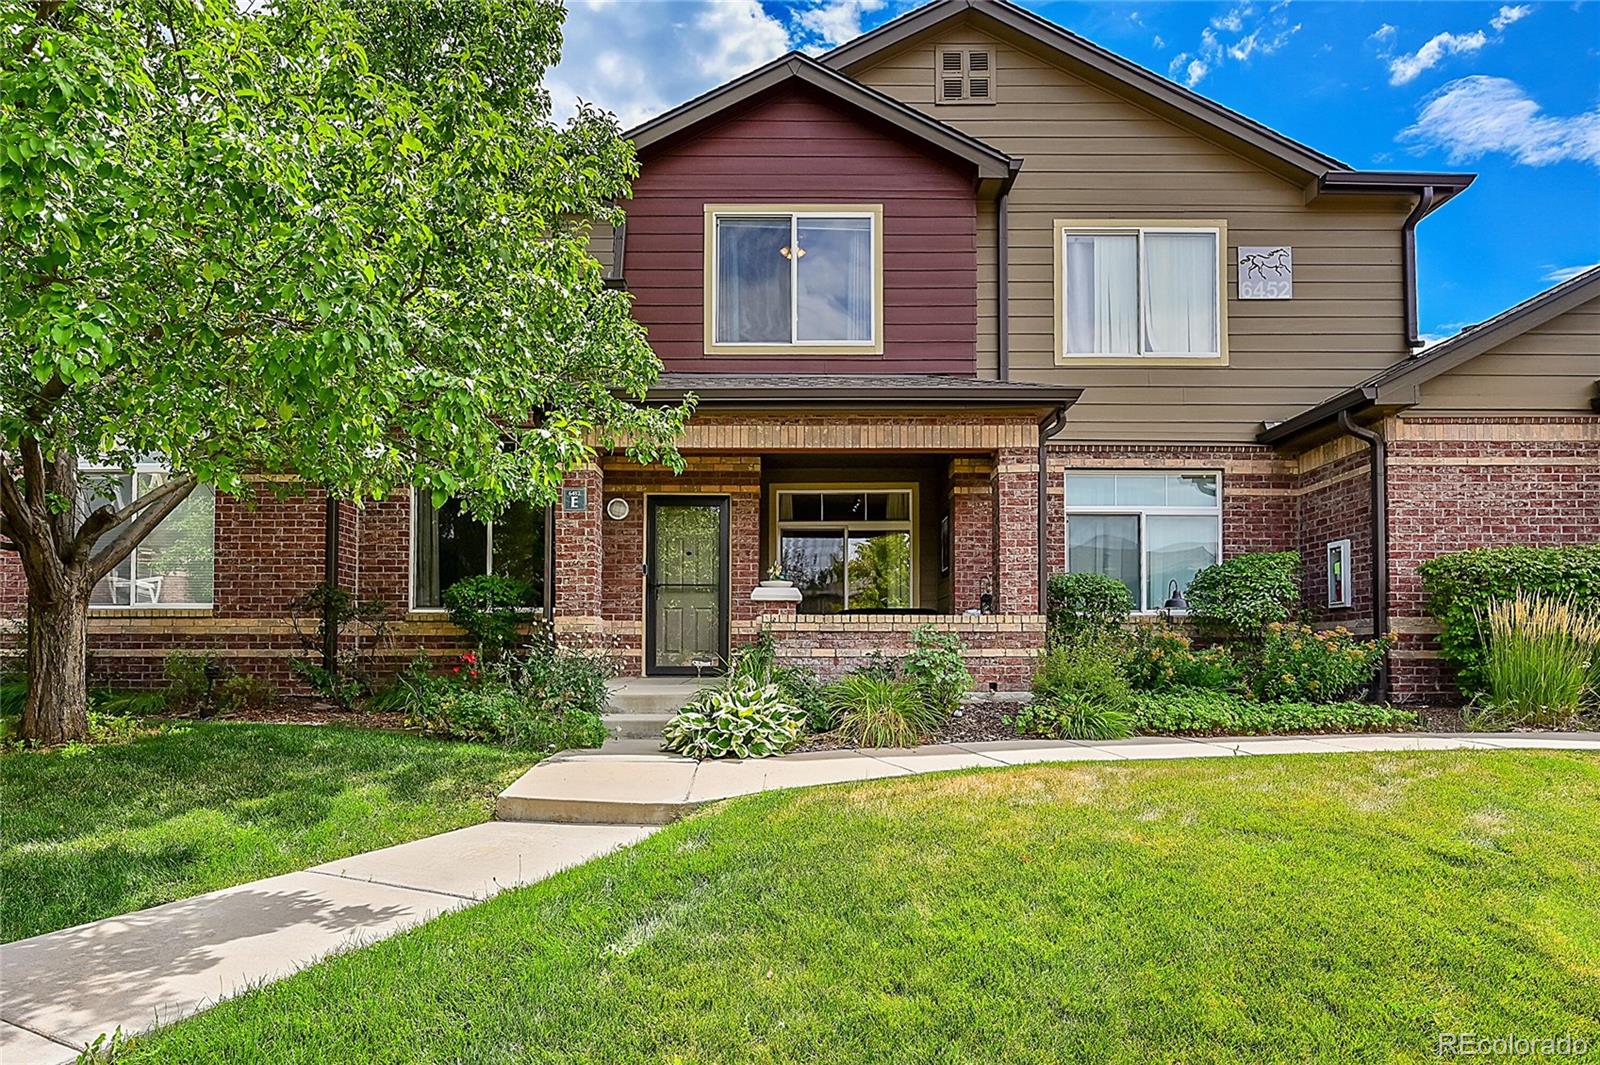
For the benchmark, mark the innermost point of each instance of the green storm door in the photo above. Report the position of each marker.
(686, 585)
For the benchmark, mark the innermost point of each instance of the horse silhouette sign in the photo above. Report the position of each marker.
(1266, 273)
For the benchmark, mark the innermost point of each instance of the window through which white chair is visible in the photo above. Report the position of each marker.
(174, 566)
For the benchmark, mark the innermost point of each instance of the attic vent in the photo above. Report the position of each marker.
(965, 76)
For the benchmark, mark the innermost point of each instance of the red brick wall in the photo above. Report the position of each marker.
(998, 649)
(1016, 502)
(1336, 504)
(1479, 484)
(971, 510)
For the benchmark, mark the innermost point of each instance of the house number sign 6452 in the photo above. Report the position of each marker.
(1266, 273)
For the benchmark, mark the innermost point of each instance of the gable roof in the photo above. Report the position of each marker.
(795, 67)
(1322, 172)
(1396, 388)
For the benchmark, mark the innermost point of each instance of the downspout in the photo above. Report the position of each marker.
(1379, 453)
(1408, 267)
(330, 585)
(1002, 267)
(1047, 428)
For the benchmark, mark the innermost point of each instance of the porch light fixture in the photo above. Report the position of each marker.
(1175, 600)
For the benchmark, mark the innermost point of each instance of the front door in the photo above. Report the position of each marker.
(686, 585)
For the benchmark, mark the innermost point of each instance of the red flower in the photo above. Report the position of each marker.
(470, 658)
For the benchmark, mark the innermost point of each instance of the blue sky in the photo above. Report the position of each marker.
(1509, 91)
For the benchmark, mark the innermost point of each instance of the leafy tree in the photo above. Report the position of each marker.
(340, 240)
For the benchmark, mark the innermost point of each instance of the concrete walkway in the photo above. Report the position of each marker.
(630, 782)
(61, 990)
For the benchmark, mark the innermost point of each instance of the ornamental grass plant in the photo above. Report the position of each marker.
(1539, 662)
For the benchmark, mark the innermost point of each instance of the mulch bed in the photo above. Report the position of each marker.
(975, 722)
(310, 712)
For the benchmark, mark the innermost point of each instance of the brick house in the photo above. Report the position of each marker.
(964, 302)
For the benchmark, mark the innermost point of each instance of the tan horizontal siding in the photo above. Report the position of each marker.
(1550, 369)
(1089, 153)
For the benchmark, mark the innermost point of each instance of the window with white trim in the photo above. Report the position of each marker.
(848, 549)
(1137, 291)
(447, 544)
(175, 565)
(1145, 529)
(794, 279)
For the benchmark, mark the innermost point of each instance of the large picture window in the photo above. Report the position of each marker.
(1145, 529)
(1136, 291)
(794, 280)
(175, 565)
(448, 544)
(848, 549)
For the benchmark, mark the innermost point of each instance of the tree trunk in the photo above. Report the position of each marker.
(58, 645)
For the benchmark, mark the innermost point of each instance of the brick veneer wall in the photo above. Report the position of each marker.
(970, 507)
(1335, 503)
(1458, 483)
(999, 648)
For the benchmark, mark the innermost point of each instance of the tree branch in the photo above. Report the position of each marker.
(102, 518)
(130, 537)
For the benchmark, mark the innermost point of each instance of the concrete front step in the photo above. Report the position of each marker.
(652, 695)
(635, 726)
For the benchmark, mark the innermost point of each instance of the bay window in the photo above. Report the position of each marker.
(175, 565)
(447, 544)
(794, 280)
(1145, 529)
(847, 549)
(1128, 290)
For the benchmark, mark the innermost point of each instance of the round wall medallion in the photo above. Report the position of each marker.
(616, 508)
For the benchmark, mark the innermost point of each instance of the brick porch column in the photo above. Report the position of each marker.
(579, 558)
(971, 532)
(1016, 502)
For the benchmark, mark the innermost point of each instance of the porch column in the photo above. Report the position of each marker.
(971, 532)
(1016, 502)
(578, 555)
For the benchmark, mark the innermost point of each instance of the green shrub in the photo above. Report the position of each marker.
(488, 607)
(936, 670)
(187, 685)
(1460, 586)
(242, 692)
(878, 711)
(740, 719)
(1539, 662)
(543, 699)
(1079, 603)
(1197, 711)
(803, 690)
(1079, 693)
(1161, 656)
(1297, 663)
(1246, 593)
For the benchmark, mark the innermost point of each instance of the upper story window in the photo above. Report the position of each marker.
(175, 565)
(1133, 290)
(965, 76)
(447, 544)
(794, 280)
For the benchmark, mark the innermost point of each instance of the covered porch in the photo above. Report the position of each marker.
(888, 502)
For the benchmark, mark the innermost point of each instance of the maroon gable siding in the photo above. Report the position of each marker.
(794, 148)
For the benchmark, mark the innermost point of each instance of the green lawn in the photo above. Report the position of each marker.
(1342, 907)
(90, 834)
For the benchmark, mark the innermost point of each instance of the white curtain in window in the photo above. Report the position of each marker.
(1180, 293)
(834, 301)
(1102, 297)
(753, 280)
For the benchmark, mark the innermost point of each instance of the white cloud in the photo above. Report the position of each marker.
(642, 59)
(1473, 116)
(1508, 15)
(1159, 42)
(833, 22)
(1405, 68)
(1385, 32)
(1567, 273)
(1239, 34)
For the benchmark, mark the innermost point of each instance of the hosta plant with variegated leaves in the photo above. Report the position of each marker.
(740, 719)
